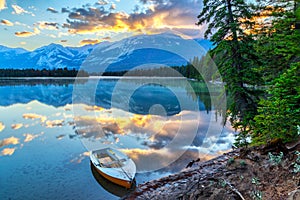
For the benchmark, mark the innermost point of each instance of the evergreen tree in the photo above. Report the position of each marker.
(279, 43)
(279, 46)
(279, 114)
(228, 22)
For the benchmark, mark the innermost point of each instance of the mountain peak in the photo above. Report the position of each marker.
(16, 50)
(119, 56)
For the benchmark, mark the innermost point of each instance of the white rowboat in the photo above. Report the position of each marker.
(114, 166)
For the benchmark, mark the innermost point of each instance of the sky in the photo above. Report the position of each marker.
(31, 24)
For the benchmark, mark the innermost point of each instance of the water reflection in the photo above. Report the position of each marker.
(109, 186)
(47, 81)
(41, 135)
(108, 93)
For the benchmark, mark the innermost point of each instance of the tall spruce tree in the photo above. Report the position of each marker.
(279, 115)
(279, 43)
(279, 46)
(229, 25)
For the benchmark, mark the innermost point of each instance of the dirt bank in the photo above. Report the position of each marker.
(234, 175)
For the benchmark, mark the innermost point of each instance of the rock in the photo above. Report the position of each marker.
(294, 195)
(144, 187)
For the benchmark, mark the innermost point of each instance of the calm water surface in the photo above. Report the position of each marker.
(47, 128)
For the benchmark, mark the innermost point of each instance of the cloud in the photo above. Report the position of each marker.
(19, 10)
(2, 126)
(215, 145)
(163, 138)
(8, 151)
(102, 2)
(24, 34)
(159, 129)
(34, 116)
(65, 10)
(89, 41)
(6, 22)
(150, 159)
(50, 9)
(16, 126)
(48, 25)
(54, 123)
(113, 6)
(78, 159)
(146, 159)
(29, 137)
(36, 31)
(9, 141)
(159, 16)
(22, 24)
(2, 4)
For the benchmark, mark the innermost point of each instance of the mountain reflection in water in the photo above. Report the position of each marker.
(42, 131)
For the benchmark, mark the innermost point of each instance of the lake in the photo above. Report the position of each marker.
(48, 127)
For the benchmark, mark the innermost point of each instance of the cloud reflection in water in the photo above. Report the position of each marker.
(152, 134)
(8, 151)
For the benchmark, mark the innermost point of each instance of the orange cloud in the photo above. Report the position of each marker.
(48, 25)
(9, 141)
(2, 126)
(54, 123)
(8, 151)
(158, 17)
(89, 41)
(24, 34)
(16, 126)
(29, 137)
(34, 116)
(6, 22)
(2, 4)
(156, 128)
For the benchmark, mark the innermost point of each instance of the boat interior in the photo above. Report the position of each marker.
(108, 159)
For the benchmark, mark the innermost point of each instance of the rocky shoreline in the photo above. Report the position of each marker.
(228, 176)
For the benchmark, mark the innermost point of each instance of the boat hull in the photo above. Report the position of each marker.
(124, 183)
(114, 166)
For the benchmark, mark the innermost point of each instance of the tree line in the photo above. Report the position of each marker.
(197, 68)
(257, 51)
(189, 71)
(60, 72)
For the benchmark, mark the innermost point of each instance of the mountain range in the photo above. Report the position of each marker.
(164, 49)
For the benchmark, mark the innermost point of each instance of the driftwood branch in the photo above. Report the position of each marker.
(234, 189)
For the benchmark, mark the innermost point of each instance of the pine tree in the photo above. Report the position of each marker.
(229, 22)
(279, 114)
(279, 44)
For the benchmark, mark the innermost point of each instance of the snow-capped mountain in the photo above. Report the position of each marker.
(47, 57)
(165, 49)
(12, 50)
